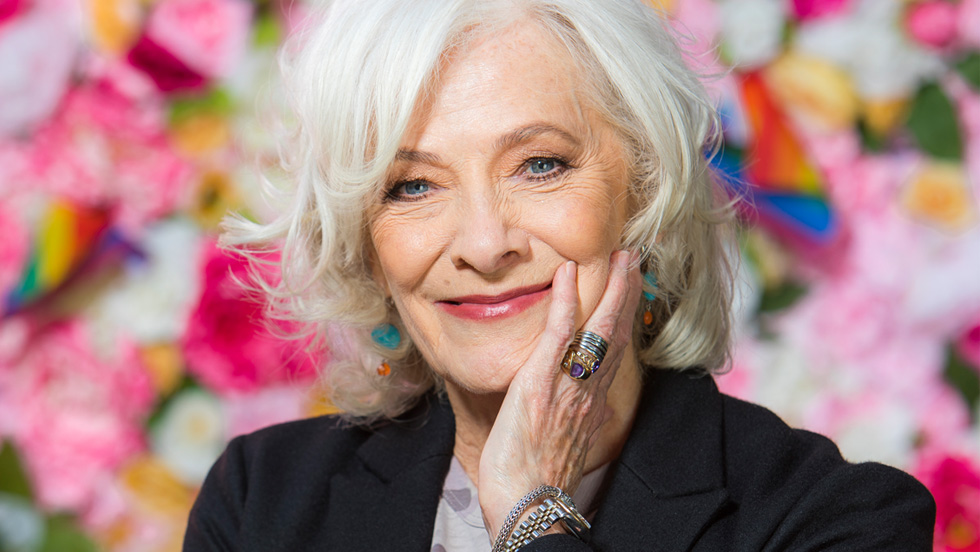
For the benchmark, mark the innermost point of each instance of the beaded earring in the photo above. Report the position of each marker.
(648, 297)
(388, 337)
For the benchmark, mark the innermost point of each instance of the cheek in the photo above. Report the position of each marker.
(403, 249)
(581, 224)
(584, 225)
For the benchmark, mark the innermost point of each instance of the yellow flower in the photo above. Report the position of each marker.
(666, 6)
(200, 133)
(165, 365)
(115, 23)
(881, 116)
(216, 195)
(318, 403)
(155, 489)
(939, 194)
(813, 89)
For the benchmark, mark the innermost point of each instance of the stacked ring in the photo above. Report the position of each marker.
(584, 355)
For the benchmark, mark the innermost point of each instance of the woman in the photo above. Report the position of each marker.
(505, 211)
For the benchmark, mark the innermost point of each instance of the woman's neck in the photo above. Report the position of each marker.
(476, 413)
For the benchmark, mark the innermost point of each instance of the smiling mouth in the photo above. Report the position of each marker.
(484, 307)
(499, 298)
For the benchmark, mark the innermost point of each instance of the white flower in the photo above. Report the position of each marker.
(155, 297)
(21, 526)
(944, 292)
(37, 52)
(881, 431)
(870, 44)
(751, 30)
(190, 435)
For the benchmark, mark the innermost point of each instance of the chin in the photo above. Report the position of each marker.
(479, 378)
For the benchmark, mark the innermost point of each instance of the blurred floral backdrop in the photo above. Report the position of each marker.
(129, 355)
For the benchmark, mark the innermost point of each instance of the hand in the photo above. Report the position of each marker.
(548, 421)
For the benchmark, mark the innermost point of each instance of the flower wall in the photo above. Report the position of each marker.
(130, 354)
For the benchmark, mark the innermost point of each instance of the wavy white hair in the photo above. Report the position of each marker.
(354, 77)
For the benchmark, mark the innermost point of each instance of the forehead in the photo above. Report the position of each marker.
(499, 81)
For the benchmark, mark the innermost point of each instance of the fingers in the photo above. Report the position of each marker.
(613, 316)
(560, 326)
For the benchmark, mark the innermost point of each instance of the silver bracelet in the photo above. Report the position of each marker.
(558, 506)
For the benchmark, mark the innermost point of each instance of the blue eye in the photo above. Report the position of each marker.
(415, 187)
(409, 190)
(541, 165)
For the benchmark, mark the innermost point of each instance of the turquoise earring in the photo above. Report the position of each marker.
(651, 281)
(388, 336)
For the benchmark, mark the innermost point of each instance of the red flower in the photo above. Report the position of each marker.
(955, 484)
(167, 71)
(228, 343)
(968, 346)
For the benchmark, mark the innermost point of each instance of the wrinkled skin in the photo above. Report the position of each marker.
(507, 181)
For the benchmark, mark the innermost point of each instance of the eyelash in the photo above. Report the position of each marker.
(392, 195)
(561, 167)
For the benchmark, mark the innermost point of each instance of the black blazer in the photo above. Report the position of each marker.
(700, 471)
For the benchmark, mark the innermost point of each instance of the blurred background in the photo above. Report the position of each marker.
(129, 356)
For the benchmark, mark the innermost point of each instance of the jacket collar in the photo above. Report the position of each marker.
(669, 481)
(665, 488)
(388, 500)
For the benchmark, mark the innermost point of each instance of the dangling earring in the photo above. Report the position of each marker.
(648, 297)
(388, 337)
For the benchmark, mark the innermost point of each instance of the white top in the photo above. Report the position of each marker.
(459, 521)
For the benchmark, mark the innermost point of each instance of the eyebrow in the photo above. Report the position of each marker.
(523, 134)
(511, 139)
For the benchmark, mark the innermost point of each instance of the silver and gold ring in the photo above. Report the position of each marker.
(584, 355)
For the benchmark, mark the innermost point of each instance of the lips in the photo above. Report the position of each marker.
(484, 307)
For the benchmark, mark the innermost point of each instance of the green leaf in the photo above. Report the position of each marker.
(216, 101)
(969, 68)
(64, 536)
(932, 121)
(161, 407)
(266, 32)
(781, 297)
(963, 378)
(13, 479)
(870, 142)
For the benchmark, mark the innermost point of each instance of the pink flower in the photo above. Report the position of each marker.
(248, 412)
(228, 344)
(968, 346)
(810, 9)
(14, 248)
(79, 415)
(103, 148)
(969, 14)
(932, 23)
(955, 484)
(10, 8)
(209, 36)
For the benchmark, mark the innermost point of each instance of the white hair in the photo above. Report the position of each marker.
(354, 77)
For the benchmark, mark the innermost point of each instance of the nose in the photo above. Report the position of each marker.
(488, 238)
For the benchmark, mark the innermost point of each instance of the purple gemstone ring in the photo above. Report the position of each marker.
(584, 355)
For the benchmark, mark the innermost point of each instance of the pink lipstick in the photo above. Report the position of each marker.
(484, 307)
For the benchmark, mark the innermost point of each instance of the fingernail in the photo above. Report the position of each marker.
(571, 267)
(623, 259)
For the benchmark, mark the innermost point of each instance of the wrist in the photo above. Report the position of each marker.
(545, 510)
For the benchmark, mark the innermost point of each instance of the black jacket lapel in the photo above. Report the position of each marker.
(669, 481)
(388, 500)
